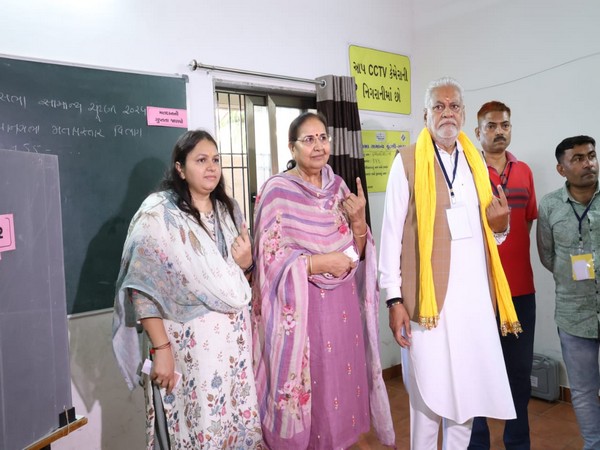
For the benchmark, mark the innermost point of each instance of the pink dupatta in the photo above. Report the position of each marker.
(293, 219)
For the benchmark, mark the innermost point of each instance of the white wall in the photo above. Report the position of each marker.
(479, 42)
(303, 39)
(484, 43)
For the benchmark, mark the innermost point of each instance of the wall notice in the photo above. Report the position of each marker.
(166, 117)
(380, 148)
(7, 233)
(382, 80)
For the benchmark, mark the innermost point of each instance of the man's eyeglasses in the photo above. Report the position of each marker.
(311, 140)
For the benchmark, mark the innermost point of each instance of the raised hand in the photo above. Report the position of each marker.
(498, 212)
(355, 206)
(241, 249)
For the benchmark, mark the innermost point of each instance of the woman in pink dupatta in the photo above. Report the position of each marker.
(315, 305)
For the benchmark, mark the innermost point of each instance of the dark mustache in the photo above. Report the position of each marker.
(500, 138)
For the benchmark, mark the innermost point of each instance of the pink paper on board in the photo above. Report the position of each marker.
(7, 233)
(166, 117)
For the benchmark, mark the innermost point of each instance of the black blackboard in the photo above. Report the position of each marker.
(109, 158)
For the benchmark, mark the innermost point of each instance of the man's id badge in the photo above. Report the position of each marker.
(583, 267)
(458, 222)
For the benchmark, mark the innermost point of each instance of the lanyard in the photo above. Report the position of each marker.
(448, 181)
(580, 218)
(503, 180)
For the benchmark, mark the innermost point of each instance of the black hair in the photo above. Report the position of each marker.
(572, 142)
(173, 181)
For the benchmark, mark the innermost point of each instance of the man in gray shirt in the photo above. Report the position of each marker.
(568, 237)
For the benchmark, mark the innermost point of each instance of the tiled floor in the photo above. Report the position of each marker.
(553, 425)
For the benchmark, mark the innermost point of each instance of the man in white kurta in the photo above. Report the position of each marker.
(455, 370)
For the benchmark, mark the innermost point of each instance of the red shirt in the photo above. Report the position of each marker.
(517, 182)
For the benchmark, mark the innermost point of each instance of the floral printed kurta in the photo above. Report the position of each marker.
(174, 269)
(214, 405)
(316, 354)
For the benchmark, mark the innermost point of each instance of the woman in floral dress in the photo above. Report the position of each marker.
(183, 278)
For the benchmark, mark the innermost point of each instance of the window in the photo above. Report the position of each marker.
(252, 135)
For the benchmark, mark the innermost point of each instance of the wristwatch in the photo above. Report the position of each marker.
(394, 301)
(502, 234)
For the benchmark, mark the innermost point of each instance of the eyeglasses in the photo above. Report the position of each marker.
(311, 140)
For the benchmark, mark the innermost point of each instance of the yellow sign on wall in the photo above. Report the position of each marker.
(379, 148)
(382, 80)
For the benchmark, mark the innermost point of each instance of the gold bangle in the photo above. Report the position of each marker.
(364, 234)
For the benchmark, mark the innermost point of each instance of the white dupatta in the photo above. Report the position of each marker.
(171, 259)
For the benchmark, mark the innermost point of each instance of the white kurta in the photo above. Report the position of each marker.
(458, 366)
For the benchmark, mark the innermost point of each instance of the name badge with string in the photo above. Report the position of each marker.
(582, 260)
(458, 219)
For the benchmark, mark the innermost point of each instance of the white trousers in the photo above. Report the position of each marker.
(425, 424)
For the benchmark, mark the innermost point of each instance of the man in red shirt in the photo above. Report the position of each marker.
(494, 132)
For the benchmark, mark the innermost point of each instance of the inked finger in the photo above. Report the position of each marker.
(359, 189)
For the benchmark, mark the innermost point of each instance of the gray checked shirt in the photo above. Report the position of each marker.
(577, 302)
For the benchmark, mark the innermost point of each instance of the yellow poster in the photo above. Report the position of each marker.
(379, 148)
(382, 80)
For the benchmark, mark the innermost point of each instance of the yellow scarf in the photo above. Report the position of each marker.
(425, 203)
